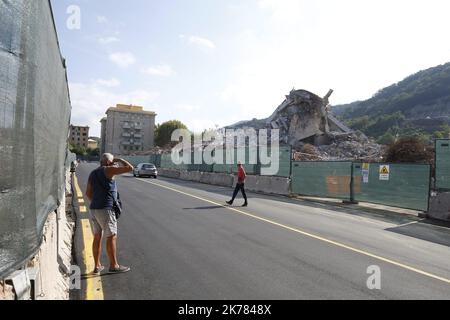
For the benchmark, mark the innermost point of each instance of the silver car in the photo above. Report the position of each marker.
(145, 169)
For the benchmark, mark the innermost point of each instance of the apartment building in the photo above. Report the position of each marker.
(127, 129)
(79, 136)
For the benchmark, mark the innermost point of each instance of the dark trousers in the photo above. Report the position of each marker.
(239, 187)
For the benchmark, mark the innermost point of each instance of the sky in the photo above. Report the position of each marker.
(213, 63)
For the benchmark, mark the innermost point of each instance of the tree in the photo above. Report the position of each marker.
(163, 132)
(78, 150)
(444, 133)
(386, 139)
(409, 149)
(438, 135)
(93, 152)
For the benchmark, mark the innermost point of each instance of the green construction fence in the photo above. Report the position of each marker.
(443, 164)
(328, 179)
(285, 160)
(398, 185)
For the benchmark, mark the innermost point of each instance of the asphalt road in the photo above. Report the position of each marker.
(181, 243)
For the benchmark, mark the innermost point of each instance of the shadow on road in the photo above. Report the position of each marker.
(373, 213)
(205, 208)
(94, 276)
(424, 231)
(406, 224)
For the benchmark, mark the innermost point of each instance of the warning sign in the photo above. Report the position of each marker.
(385, 172)
(365, 172)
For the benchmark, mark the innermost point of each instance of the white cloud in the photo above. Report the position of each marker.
(187, 107)
(199, 125)
(199, 41)
(283, 10)
(108, 40)
(110, 83)
(122, 59)
(160, 70)
(338, 45)
(102, 19)
(91, 100)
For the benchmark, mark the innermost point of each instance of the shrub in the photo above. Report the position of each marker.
(409, 149)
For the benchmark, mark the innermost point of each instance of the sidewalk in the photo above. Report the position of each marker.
(91, 285)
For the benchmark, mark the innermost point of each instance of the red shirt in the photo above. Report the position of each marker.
(241, 175)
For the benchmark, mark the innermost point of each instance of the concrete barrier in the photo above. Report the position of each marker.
(268, 184)
(217, 179)
(169, 173)
(263, 184)
(190, 176)
(207, 178)
(440, 206)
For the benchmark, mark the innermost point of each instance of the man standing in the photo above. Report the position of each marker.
(102, 192)
(240, 185)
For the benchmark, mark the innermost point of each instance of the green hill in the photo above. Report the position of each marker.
(418, 105)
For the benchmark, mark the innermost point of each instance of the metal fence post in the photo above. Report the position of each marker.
(352, 187)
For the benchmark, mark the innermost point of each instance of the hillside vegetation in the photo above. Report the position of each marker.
(417, 106)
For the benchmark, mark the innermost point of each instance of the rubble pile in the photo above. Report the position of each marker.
(307, 153)
(349, 146)
(306, 124)
(301, 116)
(353, 146)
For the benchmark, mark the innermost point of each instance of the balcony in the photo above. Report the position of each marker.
(138, 135)
(126, 135)
(126, 143)
(138, 127)
(126, 126)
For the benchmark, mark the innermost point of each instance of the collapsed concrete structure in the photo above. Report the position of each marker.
(304, 118)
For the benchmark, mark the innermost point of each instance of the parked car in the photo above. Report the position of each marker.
(145, 169)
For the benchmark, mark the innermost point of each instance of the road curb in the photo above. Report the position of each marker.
(92, 288)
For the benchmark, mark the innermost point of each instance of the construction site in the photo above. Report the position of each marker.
(306, 123)
(325, 205)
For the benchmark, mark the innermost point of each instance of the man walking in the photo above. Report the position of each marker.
(240, 185)
(102, 192)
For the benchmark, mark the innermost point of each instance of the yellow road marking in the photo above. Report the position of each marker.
(310, 235)
(94, 287)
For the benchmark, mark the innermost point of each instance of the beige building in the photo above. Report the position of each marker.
(127, 129)
(79, 136)
(92, 144)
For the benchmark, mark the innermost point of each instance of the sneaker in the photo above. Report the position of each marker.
(99, 270)
(120, 269)
(229, 203)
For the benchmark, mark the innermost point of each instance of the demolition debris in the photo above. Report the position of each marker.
(306, 124)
